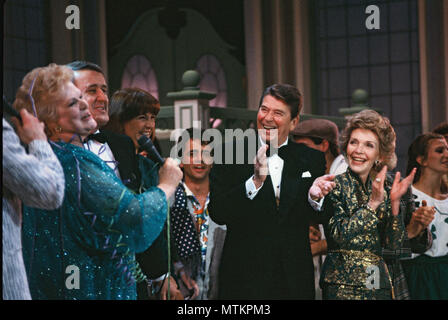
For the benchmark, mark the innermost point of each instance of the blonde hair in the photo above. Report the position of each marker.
(381, 127)
(48, 82)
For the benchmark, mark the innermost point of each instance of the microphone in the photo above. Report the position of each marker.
(10, 110)
(146, 144)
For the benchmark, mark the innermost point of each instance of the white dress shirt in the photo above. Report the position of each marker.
(275, 169)
(339, 165)
(103, 151)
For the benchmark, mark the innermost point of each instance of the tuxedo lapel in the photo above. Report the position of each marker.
(267, 192)
(124, 152)
(292, 181)
(289, 184)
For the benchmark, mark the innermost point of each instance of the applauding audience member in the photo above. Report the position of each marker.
(427, 274)
(364, 211)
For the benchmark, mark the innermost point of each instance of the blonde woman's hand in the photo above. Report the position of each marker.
(377, 195)
(399, 188)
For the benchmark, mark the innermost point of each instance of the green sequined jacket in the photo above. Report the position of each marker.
(356, 234)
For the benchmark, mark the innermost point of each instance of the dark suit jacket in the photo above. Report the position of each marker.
(267, 251)
(124, 152)
(153, 261)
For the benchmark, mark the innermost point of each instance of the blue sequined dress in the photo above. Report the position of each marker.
(94, 236)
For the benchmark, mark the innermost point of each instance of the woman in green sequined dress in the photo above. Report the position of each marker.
(363, 212)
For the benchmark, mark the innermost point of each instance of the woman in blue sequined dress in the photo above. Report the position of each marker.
(85, 249)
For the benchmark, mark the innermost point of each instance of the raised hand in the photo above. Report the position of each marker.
(377, 195)
(261, 166)
(322, 186)
(32, 128)
(420, 220)
(399, 189)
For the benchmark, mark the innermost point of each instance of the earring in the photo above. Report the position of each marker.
(377, 164)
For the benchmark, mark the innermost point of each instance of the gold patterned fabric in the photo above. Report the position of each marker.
(356, 235)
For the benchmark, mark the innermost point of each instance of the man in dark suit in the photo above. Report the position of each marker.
(118, 152)
(265, 207)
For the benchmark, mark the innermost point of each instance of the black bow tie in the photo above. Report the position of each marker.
(280, 151)
(100, 137)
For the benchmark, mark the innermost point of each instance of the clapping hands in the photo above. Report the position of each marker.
(420, 220)
(322, 186)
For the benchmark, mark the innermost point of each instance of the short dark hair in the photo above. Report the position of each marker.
(442, 128)
(334, 149)
(316, 140)
(128, 103)
(419, 147)
(84, 65)
(288, 94)
(192, 133)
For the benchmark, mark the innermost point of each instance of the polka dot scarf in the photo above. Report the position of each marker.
(185, 236)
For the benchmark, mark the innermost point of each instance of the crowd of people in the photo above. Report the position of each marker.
(90, 214)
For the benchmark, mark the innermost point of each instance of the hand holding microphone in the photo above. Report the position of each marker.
(169, 174)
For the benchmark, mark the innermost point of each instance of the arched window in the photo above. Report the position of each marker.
(139, 73)
(213, 79)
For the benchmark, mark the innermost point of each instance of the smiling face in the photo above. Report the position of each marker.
(274, 120)
(437, 157)
(362, 152)
(94, 90)
(196, 161)
(73, 115)
(143, 124)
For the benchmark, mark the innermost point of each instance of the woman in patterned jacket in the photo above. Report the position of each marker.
(365, 212)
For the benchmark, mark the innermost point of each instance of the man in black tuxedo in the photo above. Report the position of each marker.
(118, 152)
(266, 209)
